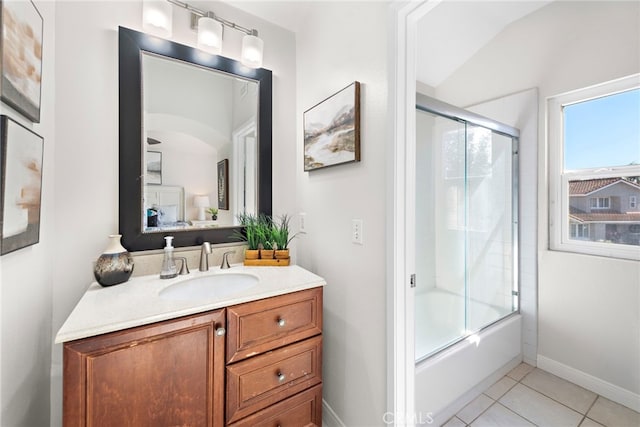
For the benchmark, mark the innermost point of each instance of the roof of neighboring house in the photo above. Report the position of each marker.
(588, 186)
(605, 217)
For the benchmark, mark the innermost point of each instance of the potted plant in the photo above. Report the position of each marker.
(251, 235)
(265, 236)
(282, 237)
(213, 212)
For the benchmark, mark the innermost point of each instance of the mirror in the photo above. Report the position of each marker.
(195, 133)
(200, 137)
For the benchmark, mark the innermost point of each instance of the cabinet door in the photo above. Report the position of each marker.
(166, 374)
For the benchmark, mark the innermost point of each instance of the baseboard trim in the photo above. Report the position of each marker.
(596, 385)
(329, 416)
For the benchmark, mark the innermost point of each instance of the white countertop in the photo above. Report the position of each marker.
(137, 302)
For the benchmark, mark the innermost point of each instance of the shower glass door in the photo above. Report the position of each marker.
(466, 228)
(489, 227)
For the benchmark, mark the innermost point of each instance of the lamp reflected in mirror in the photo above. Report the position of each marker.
(201, 202)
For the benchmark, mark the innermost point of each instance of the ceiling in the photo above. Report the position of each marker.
(451, 33)
(290, 14)
(455, 30)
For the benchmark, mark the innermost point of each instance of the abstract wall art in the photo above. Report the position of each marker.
(21, 166)
(332, 130)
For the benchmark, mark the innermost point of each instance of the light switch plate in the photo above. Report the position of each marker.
(302, 225)
(356, 231)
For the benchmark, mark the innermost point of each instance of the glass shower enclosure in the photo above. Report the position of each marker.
(466, 224)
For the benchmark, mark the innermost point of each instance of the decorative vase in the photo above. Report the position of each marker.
(282, 254)
(214, 217)
(251, 254)
(115, 265)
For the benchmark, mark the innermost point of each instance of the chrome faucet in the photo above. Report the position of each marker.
(225, 260)
(205, 250)
(184, 269)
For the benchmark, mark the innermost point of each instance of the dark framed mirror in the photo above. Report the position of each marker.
(142, 186)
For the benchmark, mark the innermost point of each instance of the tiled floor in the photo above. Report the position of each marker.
(529, 396)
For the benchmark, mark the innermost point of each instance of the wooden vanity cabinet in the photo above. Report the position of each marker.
(169, 373)
(178, 372)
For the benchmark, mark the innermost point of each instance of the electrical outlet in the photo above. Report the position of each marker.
(303, 223)
(356, 231)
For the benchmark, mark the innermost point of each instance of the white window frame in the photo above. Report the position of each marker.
(598, 205)
(559, 228)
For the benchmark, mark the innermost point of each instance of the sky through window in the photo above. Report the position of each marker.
(603, 132)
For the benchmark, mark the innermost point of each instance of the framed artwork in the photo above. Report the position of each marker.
(21, 188)
(21, 59)
(223, 184)
(332, 130)
(154, 167)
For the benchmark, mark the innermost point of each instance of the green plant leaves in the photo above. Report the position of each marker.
(263, 232)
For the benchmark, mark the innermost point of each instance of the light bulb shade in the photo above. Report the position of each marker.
(157, 17)
(210, 35)
(252, 47)
(201, 201)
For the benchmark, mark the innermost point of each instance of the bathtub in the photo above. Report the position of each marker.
(448, 380)
(440, 319)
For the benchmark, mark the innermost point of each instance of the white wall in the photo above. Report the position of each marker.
(86, 118)
(589, 311)
(343, 42)
(25, 275)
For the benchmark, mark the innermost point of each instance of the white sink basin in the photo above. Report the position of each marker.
(209, 287)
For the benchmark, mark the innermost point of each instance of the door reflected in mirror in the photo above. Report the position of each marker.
(193, 119)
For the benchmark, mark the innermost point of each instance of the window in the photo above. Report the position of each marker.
(594, 169)
(599, 203)
(579, 231)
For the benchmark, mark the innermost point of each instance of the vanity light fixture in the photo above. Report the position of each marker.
(210, 29)
(210, 35)
(252, 47)
(201, 202)
(157, 17)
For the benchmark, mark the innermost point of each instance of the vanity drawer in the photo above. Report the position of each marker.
(260, 326)
(303, 409)
(259, 382)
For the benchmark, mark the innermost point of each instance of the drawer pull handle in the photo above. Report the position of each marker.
(221, 331)
(281, 322)
(281, 376)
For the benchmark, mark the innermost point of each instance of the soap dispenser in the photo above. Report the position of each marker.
(169, 269)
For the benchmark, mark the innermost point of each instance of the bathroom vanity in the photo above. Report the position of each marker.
(135, 354)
